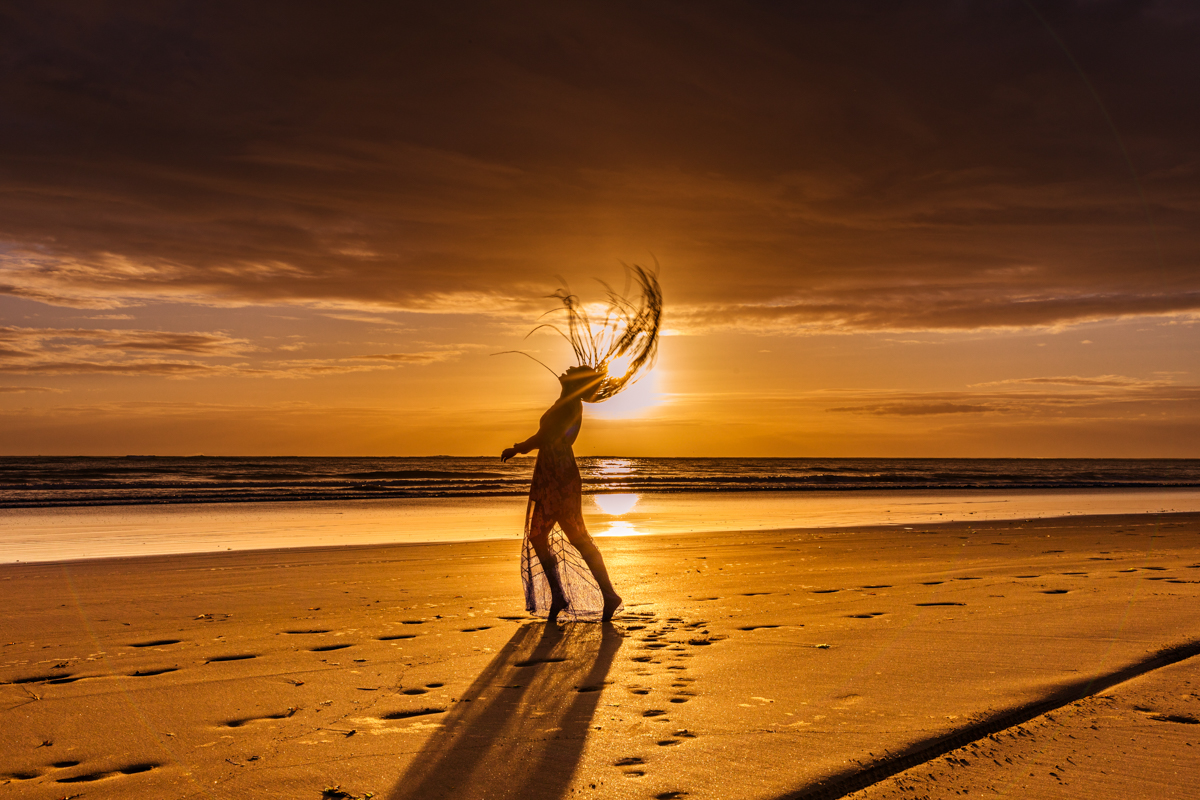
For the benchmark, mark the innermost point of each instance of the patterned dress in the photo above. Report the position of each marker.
(555, 495)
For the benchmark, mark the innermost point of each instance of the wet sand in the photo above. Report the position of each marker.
(1039, 658)
(68, 533)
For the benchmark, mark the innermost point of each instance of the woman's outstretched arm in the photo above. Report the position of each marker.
(532, 443)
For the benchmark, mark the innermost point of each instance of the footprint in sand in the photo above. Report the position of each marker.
(1182, 719)
(1054, 591)
(146, 673)
(62, 677)
(868, 615)
(533, 662)
(414, 712)
(940, 604)
(933, 583)
(219, 659)
(313, 630)
(237, 723)
(20, 776)
(325, 648)
(825, 591)
(476, 630)
(132, 769)
(756, 627)
(397, 636)
(155, 643)
(679, 737)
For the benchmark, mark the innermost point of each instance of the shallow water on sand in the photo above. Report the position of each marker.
(52, 534)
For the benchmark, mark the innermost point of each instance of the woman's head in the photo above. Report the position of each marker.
(582, 382)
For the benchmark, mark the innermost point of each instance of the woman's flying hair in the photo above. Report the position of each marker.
(622, 343)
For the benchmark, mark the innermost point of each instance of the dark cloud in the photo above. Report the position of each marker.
(838, 165)
(1107, 396)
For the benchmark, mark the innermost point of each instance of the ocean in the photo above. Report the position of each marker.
(45, 482)
(56, 509)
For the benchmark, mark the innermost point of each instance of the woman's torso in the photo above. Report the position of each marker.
(555, 475)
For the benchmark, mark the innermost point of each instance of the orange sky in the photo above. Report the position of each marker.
(301, 228)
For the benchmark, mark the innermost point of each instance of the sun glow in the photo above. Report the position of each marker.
(616, 504)
(637, 399)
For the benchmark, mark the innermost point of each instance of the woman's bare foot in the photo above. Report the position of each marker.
(557, 606)
(611, 604)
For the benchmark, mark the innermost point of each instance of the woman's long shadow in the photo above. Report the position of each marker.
(520, 729)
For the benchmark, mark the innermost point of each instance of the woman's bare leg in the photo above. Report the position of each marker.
(582, 542)
(539, 537)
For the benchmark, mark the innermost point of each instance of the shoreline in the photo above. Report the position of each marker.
(368, 548)
(54, 534)
(617, 490)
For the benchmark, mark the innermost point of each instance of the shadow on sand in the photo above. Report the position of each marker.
(520, 729)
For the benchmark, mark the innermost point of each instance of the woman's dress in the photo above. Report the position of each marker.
(556, 495)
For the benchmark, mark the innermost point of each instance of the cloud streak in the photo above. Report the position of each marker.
(80, 351)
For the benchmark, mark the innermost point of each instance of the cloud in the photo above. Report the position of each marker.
(79, 351)
(1107, 397)
(1075, 380)
(20, 342)
(903, 310)
(794, 168)
(913, 409)
(24, 389)
(409, 358)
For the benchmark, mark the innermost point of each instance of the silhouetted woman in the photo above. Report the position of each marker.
(561, 568)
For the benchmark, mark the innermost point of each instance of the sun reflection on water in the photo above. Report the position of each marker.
(619, 527)
(616, 466)
(616, 505)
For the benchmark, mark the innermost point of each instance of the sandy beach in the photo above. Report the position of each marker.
(1044, 658)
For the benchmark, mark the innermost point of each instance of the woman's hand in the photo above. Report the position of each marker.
(508, 453)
